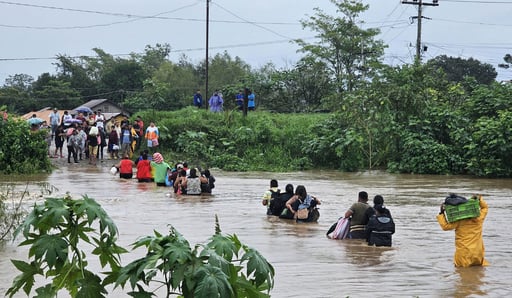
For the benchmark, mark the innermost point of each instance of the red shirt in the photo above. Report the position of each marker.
(125, 166)
(141, 124)
(144, 169)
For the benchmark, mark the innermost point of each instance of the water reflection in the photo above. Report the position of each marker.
(469, 282)
(358, 252)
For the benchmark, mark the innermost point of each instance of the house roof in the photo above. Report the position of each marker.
(95, 102)
(42, 113)
(45, 114)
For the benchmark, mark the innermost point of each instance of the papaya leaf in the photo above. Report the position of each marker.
(144, 241)
(94, 211)
(223, 246)
(30, 220)
(216, 260)
(236, 242)
(66, 277)
(90, 286)
(46, 292)
(141, 293)
(26, 279)
(107, 251)
(53, 248)
(244, 288)
(212, 282)
(56, 212)
(257, 265)
(177, 253)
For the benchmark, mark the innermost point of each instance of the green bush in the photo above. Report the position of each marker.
(58, 230)
(22, 151)
(488, 153)
(228, 140)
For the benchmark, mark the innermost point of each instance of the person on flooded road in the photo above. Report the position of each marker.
(270, 194)
(380, 227)
(469, 244)
(358, 217)
(306, 210)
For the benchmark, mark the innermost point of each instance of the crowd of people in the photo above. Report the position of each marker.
(290, 204)
(86, 136)
(153, 168)
(375, 224)
(216, 102)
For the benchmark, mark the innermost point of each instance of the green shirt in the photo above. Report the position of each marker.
(159, 171)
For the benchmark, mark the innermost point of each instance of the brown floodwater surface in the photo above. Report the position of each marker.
(306, 263)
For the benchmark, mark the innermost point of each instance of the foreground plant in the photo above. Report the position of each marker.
(212, 270)
(56, 232)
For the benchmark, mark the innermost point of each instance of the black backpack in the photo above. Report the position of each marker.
(276, 204)
(455, 200)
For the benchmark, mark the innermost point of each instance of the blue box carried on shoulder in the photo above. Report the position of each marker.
(470, 209)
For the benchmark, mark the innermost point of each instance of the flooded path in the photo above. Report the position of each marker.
(307, 264)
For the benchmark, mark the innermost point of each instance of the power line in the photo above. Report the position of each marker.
(100, 25)
(133, 17)
(471, 23)
(172, 51)
(250, 22)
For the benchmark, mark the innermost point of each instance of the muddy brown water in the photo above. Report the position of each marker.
(306, 263)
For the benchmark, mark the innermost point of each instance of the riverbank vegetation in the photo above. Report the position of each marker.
(441, 134)
(64, 235)
(22, 151)
(339, 107)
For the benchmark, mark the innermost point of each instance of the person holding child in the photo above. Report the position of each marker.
(305, 209)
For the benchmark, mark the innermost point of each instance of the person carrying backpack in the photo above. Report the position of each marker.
(270, 194)
(278, 202)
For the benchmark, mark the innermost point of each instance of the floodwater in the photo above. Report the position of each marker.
(306, 263)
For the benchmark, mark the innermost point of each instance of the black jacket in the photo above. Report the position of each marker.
(379, 230)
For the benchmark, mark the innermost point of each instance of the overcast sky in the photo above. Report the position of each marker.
(34, 32)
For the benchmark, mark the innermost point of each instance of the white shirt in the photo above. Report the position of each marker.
(67, 118)
(99, 120)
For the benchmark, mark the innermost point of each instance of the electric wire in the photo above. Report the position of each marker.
(250, 22)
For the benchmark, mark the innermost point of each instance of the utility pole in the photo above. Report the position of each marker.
(420, 16)
(206, 96)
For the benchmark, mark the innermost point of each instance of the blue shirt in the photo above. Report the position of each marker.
(250, 99)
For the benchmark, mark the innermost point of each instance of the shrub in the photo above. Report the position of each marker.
(212, 270)
(22, 151)
(56, 232)
(58, 229)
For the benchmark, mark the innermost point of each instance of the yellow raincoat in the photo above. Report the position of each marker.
(469, 245)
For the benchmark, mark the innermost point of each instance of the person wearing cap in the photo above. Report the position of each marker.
(159, 168)
(469, 244)
(54, 120)
(380, 227)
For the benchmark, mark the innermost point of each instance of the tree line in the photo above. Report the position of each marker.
(448, 115)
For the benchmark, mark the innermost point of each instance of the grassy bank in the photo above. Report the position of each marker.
(261, 141)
